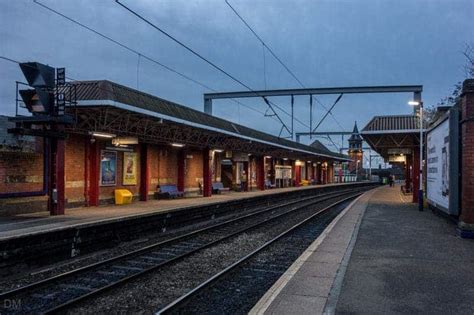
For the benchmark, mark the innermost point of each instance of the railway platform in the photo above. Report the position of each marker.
(39, 222)
(381, 255)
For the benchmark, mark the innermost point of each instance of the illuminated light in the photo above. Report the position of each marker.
(298, 162)
(124, 140)
(285, 159)
(177, 145)
(268, 157)
(218, 150)
(309, 162)
(413, 103)
(102, 135)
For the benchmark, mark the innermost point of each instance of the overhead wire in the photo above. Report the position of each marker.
(200, 56)
(141, 55)
(277, 58)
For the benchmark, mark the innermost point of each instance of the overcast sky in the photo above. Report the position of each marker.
(325, 43)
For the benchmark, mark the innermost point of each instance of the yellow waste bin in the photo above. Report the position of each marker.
(123, 196)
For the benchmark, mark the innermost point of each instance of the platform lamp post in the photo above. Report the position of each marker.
(420, 190)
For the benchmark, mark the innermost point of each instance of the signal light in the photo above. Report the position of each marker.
(37, 101)
(38, 75)
(41, 78)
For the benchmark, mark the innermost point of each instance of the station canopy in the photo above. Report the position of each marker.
(104, 106)
(393, 135)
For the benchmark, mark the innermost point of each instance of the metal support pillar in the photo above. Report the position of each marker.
(56, 194)
(208, 105)
(181, 169)
(144, 172)
(247, 177)
(94, 169)
(416, 175)
(297, 175)
(292, 116)
(260, 164)
(206, 173)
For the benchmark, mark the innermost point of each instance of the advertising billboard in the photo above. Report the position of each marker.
(437, 184)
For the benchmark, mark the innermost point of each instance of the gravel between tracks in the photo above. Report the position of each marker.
(150, 293)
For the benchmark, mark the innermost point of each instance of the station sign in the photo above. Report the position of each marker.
(398, 151)
(397, 158)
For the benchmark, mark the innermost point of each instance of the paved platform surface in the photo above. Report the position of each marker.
(381, 256)
(14, 226)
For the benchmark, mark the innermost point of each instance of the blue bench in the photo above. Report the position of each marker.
(218, 187)
(268, 184)
(168, 191)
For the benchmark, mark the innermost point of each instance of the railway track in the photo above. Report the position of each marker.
(66, 290)
(238, 287)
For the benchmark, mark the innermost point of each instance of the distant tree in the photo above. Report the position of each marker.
(468, 73)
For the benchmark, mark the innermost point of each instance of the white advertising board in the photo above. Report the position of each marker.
(438, 165)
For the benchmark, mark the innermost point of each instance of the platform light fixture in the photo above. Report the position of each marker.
(420, 190)
(177, 145)
(218, 150)
(105, 135)
(285, 159)
(268, 157)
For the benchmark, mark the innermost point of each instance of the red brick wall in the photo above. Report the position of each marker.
(467, 142)
(74, 168)
(193, 172)
(167, 165)
(21, 172)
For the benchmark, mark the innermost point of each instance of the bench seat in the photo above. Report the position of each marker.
(169, 191)
(218, 187)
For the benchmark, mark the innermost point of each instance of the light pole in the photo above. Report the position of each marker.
(420, 190)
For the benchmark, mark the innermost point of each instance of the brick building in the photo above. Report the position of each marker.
(123, 138)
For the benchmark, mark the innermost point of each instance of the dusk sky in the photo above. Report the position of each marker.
(325, 43)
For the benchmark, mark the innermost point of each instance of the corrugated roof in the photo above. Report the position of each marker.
(392, 123)
(106, 90)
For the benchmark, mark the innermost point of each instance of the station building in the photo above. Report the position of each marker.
(124, 138)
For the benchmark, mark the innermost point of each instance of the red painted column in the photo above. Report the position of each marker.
(181, 169)
(297, 175)
(94, 169)
(247, 177)
(144, 172)
(260, 164)
(318, 173)
(466, 218)
(56, 200)
(416, 174)
(407, 173)
(324, 175)
(206, 173)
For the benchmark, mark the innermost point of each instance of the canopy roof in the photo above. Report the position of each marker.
(201, 129)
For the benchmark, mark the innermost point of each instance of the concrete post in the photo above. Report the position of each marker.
(466, 218)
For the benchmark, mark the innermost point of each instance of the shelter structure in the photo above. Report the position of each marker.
(126, 139)
(397, 139)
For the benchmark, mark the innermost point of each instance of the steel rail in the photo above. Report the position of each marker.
(63, 306)
(184, 298)
(90, 267)
(25, 288)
